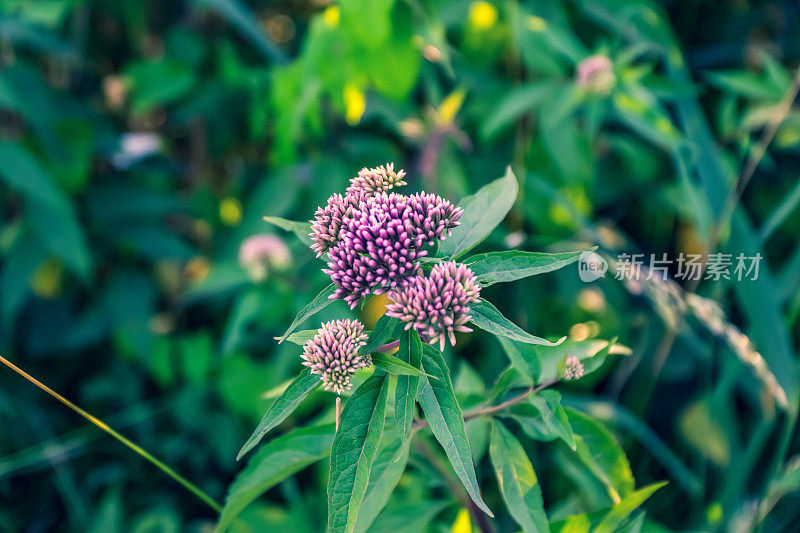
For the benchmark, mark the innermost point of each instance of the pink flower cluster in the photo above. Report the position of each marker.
(436, 306)
(333, 353)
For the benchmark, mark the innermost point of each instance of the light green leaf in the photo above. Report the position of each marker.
(353, 452)
(302, 337)
(483, 211)
(488, 318)
(597, 448)
(273, 463)
(524, 358)
(446, 420)
(544, 418)
(623, 509)
(517, 480)
(406, 393)
(501, 267)
(386, 472)
(393, 365)
(301, 229)
(518, 102)
(282, 407)
(316, 305)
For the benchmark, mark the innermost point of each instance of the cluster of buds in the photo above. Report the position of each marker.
(436, 306)
(596, 74)
(374, 239)
(262, 254)
(334, 353)
(573, 368)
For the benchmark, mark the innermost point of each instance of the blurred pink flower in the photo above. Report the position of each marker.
(262, 254)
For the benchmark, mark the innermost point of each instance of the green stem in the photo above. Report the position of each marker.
(208, 500)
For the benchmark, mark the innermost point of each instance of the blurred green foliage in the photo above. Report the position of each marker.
(141, 142)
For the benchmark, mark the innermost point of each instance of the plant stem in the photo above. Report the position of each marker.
(208, 500)
(338, 411)
(489, 410)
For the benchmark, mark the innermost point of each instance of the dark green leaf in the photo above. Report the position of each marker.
(273, 463)
(406, 393)
(385, 329)
(282, 407)
(483, 211)
(446, 420)
(392, 365)
(500, 267)
(488, 318)
(517, 480)
(316, 305)
(386, 472)
(353, 452)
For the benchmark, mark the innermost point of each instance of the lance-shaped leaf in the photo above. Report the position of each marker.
(601, 453)
(446, 420)
(353, 451)
(488, 318)
(386, 471)
(282, 407)
(302, 337)
(393, 365)
(544, 418)
(385, 329)
(501, 267)
(483, 211)
(524, 358)
(273, 463)
(301, 229)
(517, 480)
(406, 393)
(316, 305)
(623, 509)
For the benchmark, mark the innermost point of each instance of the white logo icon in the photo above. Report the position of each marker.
(591, 266)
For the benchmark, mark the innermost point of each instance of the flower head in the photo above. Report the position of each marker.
(328, 221)
(573, 368)
(380, 179)
(379, 245)
(596, 73)
(438, 305)
(263, 253)
(333, 353)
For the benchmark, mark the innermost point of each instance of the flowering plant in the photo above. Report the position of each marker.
(413, 248)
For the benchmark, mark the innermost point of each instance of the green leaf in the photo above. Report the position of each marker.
(517, 102)
(353, 451)
(386, 472)
(597, 448)
(446, 420)
(301, 229)
(393, 365)
(302, 337)
(544, 418)
(488, 318)
(483, 211)
(524, 358)
(501, 267)
(517, 480)
(592, 353)
(747, 84)
(385, 329)
(316, 305)
(623, 509)
(273, 463)
(406, 392)
(282, 407)
(245, 22)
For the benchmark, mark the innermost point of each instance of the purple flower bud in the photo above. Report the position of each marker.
(333, 353)
(379, 245)
(596, 73)
(373, 180)
(438, 305)
(261, 254)
(573, 368)
(328, 221)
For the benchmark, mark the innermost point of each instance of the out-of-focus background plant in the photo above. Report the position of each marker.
(142, 142)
